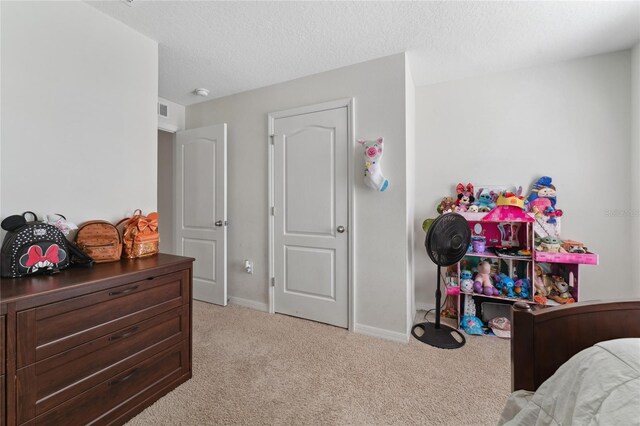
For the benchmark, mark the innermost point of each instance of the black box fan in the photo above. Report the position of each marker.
(447, 242)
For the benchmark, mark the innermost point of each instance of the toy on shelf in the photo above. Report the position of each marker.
(577, 247)
(509, 207)
(560, 292)
(466, 281)
(373, 176)
(469, 306)
(485, 200)
(550, 244)
(542, 200)
(483, 284)
(521, 288)
(465, 197)
(541, 288)
(447, 205)
(507, 285)
(478, 243)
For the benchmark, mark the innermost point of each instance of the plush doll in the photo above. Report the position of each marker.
(521, 288)
(550, 244)
(542, 199)
(485, 200)
(539, 282)
(507, 285)
(465, 197)
(560, 292)
(373, 176)
(447, 205)
(574, 247)
(483, 284)
(466, 283)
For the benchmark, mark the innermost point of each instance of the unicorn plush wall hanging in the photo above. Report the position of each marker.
(373, 176)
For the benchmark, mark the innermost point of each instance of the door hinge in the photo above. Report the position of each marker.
(272, 138)
(273, 281)
(273, 210)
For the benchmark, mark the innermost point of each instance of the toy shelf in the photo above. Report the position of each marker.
(540, 267)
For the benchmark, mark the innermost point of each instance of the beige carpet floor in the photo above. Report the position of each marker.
(254, 368)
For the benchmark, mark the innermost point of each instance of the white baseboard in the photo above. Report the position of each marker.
(381, 333)
(258, 306)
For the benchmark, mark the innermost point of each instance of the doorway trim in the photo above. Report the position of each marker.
(351, 208)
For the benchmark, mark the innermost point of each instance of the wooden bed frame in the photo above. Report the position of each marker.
(543, 339)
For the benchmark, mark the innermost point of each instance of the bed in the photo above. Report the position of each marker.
(577, 363)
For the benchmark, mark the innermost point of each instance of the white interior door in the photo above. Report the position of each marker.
(311, 216)
(201, 208)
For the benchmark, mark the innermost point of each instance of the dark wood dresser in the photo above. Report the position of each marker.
(94, 345)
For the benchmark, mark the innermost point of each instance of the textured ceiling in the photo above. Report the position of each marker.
(230, 47)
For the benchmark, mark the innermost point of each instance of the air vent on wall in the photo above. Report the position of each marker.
(163, 110)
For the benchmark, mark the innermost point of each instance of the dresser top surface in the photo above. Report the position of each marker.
(15, 289)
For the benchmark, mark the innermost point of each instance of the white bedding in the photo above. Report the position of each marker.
(598, 386)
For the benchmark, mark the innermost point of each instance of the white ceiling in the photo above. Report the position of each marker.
(230, 47)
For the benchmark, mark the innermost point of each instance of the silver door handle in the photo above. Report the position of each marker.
(341, 229)
(219, 223)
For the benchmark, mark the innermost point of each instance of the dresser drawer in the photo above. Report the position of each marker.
(101, 403)
(3, 402)
(3, 347)
(57, 327)
(48, 383)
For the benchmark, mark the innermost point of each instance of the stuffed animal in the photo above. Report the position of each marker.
(550, 244)
(507, 285)
(483, 284)
(560, 292)
(484, 200)
(473, 208)
(539, 282)
(447, 205)
(373, 176)
(574, 247)
(465, 197)
(466, 283)
(521, 288)
(542, 199)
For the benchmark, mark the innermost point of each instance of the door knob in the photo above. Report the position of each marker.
(219, 223)
(341, 229)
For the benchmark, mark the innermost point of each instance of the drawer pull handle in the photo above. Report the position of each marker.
(125, 334)
(128, 290)
(123, 379)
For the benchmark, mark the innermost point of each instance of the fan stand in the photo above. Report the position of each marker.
(435, 334)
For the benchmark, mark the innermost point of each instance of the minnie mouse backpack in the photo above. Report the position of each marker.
(35, 248)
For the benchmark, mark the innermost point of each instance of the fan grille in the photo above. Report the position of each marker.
(448, 239)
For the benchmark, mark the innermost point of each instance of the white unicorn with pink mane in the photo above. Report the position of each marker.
(373, 176)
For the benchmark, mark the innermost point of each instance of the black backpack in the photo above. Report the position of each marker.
(36, 248)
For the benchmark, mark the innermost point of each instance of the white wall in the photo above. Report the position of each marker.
(79, 120)
(381, 244)
(635, 164)
(410, 100)
(570, 121)
(166, 190)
